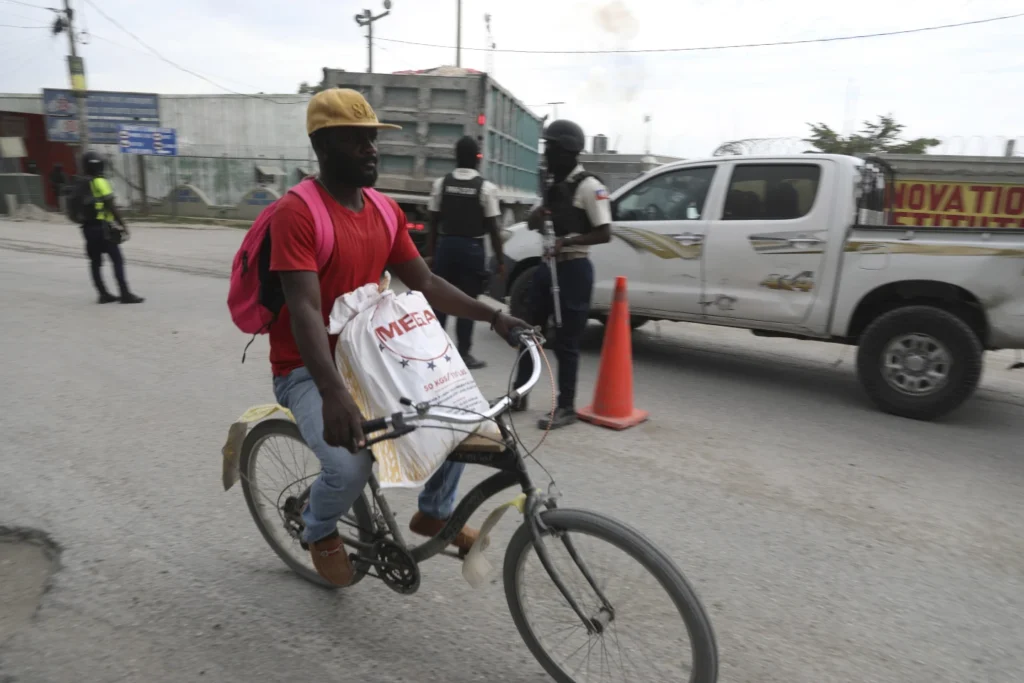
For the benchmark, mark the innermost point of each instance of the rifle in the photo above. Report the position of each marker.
(547, 233)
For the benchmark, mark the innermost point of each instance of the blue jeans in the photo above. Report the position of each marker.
(343, 476)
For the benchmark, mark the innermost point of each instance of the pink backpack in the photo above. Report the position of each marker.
(254, 295)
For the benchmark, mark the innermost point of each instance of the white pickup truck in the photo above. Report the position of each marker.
(801, 246)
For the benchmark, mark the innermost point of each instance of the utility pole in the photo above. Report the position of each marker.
(366, 19)
(76, 71)
(458, 33)
(647, 137)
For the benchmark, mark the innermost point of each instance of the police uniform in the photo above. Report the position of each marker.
(577, 204)
(465, 202)
(100, 237)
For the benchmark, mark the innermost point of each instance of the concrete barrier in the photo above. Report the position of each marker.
(254, 201)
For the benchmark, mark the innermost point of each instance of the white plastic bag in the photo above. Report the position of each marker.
(390, 346)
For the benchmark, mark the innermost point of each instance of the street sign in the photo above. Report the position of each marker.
(149, 140)
(107, 111)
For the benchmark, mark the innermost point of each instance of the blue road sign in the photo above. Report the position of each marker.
(160, 142)
(107, 111)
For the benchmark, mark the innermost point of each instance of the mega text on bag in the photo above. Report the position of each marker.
(390, 346)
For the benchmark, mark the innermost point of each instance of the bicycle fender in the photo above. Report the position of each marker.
(475, 567)
(231, 451)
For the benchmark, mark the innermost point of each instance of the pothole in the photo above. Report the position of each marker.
(28, 559)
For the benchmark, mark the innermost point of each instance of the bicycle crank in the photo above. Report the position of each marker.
(394, 564)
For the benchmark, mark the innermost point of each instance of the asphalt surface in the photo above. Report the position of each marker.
(828, 542)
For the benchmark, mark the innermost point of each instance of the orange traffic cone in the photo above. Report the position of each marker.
(613, 395)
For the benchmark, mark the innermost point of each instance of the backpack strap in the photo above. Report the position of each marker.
(306, 190)
(384, 206)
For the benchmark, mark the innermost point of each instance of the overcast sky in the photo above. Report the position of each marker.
(947, 83)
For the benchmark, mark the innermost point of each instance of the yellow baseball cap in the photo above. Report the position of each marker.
(341, 107)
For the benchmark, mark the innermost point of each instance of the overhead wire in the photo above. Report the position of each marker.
(174, 64)
(709, 48)
(29, 4)
(105, 39)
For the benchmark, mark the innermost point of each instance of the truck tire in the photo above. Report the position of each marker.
(518, 304)
(518, 293)
(635, 321)
(919, 362)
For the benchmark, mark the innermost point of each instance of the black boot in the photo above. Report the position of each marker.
(563, 418)
(131, 299)
(106, 298)
(472, 362)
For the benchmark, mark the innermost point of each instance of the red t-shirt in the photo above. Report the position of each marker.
(360, 255)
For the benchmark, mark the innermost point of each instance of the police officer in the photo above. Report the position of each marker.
(577, 203)
(100, 236)
(463, 211)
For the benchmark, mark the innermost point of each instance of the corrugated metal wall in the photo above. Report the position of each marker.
(238, 126)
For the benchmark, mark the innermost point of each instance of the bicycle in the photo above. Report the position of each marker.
(381, 552)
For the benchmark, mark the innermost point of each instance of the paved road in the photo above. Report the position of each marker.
(829, 542)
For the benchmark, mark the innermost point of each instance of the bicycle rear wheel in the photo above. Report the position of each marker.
(672, 621)
(278, 443)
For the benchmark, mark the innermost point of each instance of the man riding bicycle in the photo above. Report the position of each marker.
(342, 128)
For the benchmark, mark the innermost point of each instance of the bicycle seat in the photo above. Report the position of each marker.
(475, 443)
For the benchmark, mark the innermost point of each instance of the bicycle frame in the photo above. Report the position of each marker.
(512, 470)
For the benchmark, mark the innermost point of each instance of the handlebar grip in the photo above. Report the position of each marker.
(518, 336)
(371, 426)
(515, 336)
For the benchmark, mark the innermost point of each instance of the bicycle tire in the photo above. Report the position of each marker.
(631, 541)
(361, 508)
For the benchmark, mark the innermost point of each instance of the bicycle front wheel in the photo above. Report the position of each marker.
(650, 625)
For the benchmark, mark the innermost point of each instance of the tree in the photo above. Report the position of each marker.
(306, 89)
(874, 138)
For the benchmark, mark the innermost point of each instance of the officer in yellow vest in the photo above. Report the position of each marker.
(101, 237)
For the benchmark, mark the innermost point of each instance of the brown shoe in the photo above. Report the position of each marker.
(331, 560)
(428, 526)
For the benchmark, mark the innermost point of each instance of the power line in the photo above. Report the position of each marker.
(709, 48)
(97, 36)
(29, 4)
(178, 66)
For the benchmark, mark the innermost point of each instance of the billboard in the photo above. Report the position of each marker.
(948, 204)
(106, 113)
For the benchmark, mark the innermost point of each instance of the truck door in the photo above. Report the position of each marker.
(764, 254)
(659, 229)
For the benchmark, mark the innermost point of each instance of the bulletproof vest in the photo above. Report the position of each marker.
(462, 213)
(566, 218)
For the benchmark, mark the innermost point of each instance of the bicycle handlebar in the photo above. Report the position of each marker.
(517, 337)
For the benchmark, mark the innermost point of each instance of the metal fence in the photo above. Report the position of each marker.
(222, 181)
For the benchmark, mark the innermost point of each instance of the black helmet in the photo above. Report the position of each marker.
(92, 163)
(566, 134)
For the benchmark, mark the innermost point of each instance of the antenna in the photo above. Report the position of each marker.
(490, 45)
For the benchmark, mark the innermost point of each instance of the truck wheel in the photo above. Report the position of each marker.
(518, 303)
(518, 293)
(635, 321)
(919, 362)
